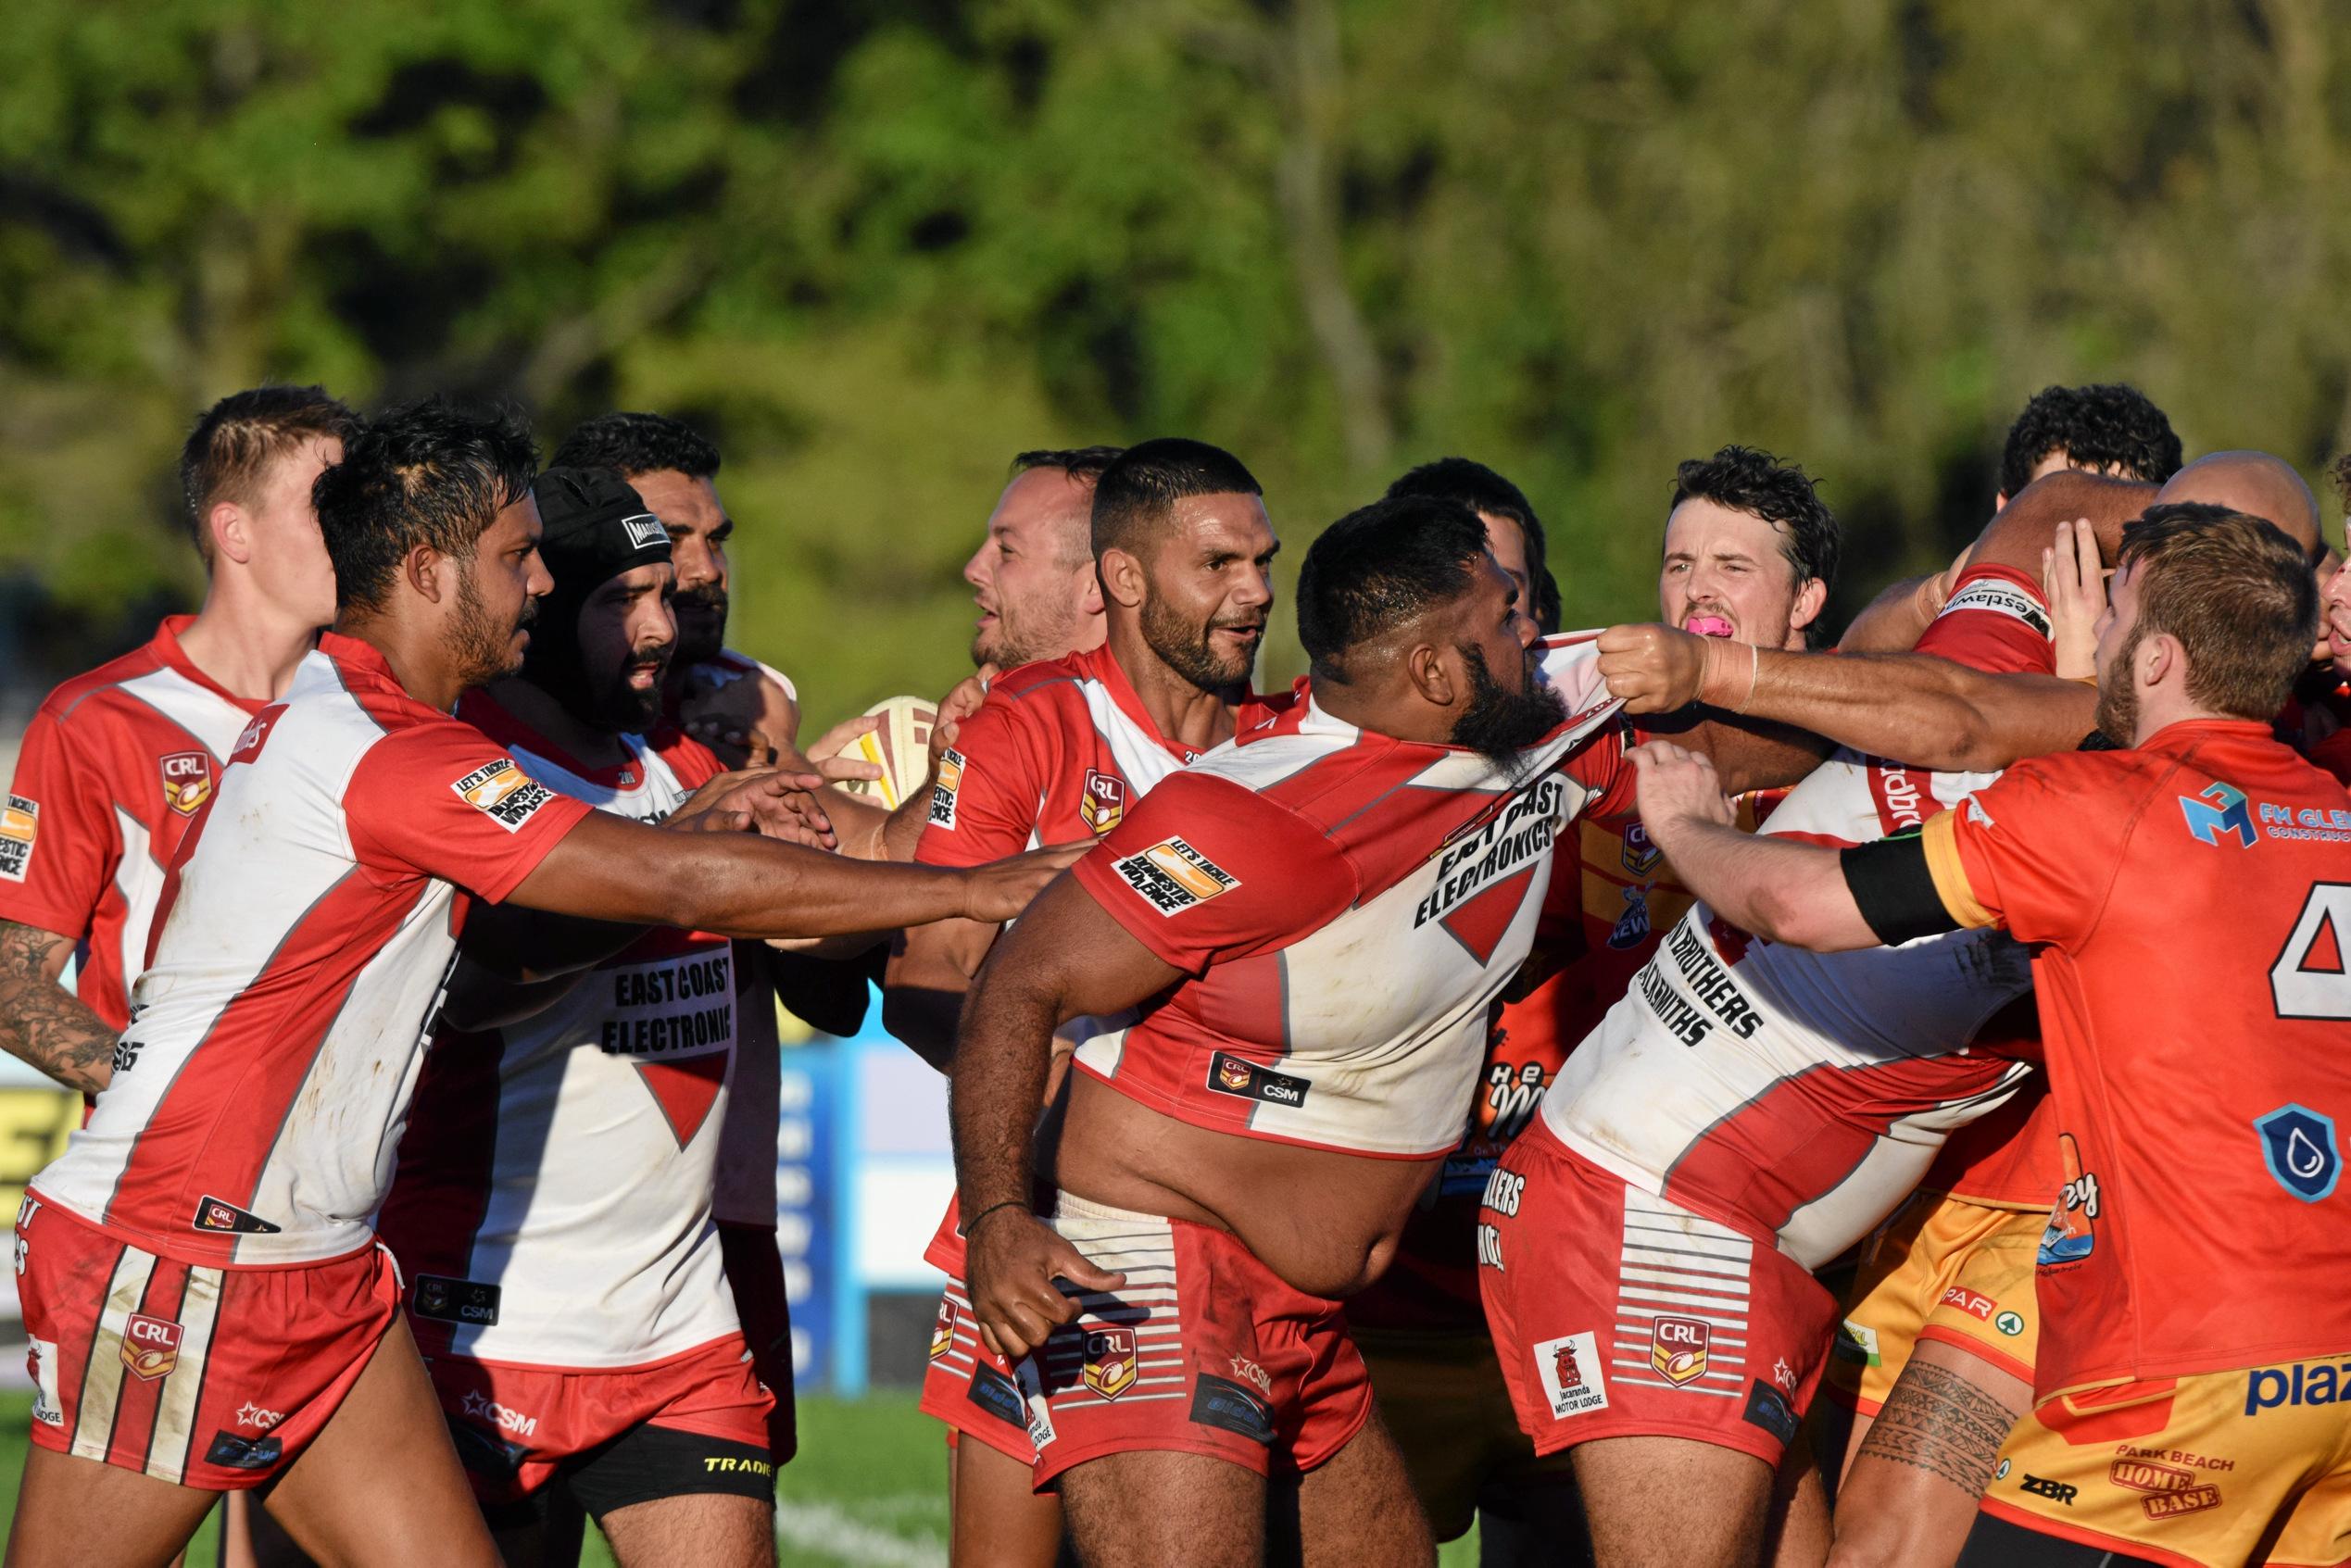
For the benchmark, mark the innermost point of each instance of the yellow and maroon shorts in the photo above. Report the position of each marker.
(2218, 1468)
(1947, 1270)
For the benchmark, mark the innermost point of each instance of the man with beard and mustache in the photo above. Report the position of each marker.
(207, 1307)
(1309, 928)
(644, 1413)
(2183, 893)
(1061, 750)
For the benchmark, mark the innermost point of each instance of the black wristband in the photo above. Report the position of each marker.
(1895, 889)
(973, 1223)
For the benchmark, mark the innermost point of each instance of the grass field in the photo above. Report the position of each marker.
(869, 1488)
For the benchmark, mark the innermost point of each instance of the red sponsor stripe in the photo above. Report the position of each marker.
(441, 1180)
(212, 1131)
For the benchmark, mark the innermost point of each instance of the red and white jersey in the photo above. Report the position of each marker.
(1804, 1093)
(1347, 906)
(114, 768)
(261, 1089)
(552, 1202)
(1062, 749)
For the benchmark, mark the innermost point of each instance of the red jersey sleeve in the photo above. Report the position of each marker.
(991, 783)
(442, 799)
(1995, 622)
(2028, 853)
(1603, 766)
(58, 841)
(1205, 870)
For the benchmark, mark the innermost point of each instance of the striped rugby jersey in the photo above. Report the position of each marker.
(306, 931)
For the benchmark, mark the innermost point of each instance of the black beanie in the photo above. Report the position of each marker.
(593, 527)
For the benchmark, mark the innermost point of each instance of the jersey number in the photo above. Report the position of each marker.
(2312, 976)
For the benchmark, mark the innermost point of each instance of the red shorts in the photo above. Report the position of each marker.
(966, 1384)
(1203, 1351)
(1620, 1314)
(515, 1426)
(206, 1377)
(755, 1275)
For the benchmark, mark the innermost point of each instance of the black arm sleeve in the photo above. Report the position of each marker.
(1894, 890)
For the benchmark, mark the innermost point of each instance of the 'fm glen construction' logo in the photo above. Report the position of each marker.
(151, 1346)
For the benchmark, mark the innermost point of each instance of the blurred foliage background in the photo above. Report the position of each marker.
(875, 248)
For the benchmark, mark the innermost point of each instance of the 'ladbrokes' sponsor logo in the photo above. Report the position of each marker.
(1173, 877)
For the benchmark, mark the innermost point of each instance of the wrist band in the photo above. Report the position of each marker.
(973, 1223)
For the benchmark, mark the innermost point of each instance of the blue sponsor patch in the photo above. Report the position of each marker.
(1219, 1401)
(1768, 1409)
(2297, 1144)
(233, 1452)
(998, 1395)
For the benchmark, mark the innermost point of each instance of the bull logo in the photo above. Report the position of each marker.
(1564, 1367)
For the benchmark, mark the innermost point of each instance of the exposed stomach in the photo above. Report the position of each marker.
(1327, 1222)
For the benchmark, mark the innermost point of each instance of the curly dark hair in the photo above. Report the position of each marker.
(630, 445)
(1747, 478)
(2109, 426)
(430, 473)
(1482, 490)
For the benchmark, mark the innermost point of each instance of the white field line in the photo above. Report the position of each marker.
(820, 1527)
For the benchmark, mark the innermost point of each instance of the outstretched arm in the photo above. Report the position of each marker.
(1916, 707)
(1067, 958)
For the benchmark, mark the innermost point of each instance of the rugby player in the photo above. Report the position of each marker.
(1060, 751)
(1952, 1268)
(1739, 1118)
(1033, 576)
(2184, 898)
(204, 1299)
(505, 1212)
(118, 761)
(733, 704)
(2113, 430)
(1421, 1326)
(1313, 926)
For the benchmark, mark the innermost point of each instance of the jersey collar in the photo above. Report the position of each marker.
(1100, 665)
(172, 657)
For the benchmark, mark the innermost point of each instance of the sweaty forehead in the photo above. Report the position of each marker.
(681, 501)
(1232, 522)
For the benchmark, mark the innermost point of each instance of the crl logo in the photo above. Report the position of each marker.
(2218, 812)
(2297, 1144)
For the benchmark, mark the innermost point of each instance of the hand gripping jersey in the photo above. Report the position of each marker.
(114, 769)
(1346, 905)
(258, 1092)
(552, 1202)
(1805, 1094)
(2192, 899)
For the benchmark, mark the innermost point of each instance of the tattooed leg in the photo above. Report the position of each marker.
(1911, 1493)
(41, 1022)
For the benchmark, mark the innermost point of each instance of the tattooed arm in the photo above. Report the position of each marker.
(1910, 1494)
(41, 1022)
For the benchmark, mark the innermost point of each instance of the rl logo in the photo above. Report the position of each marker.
(150, 1345)
(1678, 1349)
(1110, 1362)
(187, 781)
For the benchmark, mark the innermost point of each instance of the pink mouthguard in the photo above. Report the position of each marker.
(1707, 625)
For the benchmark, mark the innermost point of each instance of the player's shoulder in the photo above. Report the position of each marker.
(72, 699)
(694, 763)
(1038, 686)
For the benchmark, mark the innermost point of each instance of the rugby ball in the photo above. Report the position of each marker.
(900, 746)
